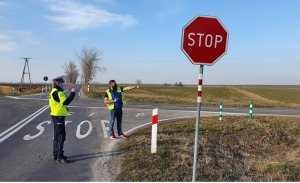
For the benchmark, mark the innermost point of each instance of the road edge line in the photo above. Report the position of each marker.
(22, 125)
(148, 123)
(20, 122)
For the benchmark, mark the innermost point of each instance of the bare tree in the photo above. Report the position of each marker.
(89, 60)
(71, 72)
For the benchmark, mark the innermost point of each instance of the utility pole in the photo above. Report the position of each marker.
(24, 72)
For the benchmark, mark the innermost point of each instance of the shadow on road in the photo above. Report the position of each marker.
(76, 158)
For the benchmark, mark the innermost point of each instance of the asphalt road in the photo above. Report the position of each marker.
(26, 134)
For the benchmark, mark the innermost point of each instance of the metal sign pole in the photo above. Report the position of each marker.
(197, 123)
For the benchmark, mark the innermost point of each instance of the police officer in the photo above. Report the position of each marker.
(114, 99)
(57, 103)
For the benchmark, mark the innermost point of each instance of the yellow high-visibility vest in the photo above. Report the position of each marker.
(57, 108)
(112, 106)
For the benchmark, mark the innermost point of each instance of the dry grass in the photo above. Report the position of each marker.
(236, 149)
(6, 90)
(16, 90)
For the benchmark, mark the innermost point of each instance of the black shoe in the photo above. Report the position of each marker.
(55, 157)
(62, 160)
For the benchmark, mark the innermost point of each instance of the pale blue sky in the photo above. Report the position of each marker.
(141, 39)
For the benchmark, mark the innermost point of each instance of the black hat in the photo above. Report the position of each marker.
(111, 81)
(59, 79)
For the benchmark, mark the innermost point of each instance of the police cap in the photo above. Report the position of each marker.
(59, 79)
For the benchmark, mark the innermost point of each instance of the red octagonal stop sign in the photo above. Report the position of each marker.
(204, 40)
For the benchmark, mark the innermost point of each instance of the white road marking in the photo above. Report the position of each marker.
(91, 114)
(70, 113)
(137, 127)
(14, 126)
(139, 115)
(105, 129)
(81, 94)
(22, 123)
(78, 135)
(12, 97)
(40, 128)
(67, 122)
(19, 98)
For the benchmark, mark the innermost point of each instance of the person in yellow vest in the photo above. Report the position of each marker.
(114, 99)
(58, 102)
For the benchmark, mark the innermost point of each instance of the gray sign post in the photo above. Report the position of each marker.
(204, 42)
(197, 127)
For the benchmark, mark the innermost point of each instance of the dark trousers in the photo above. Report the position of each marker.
(115, 114)
(59, 135)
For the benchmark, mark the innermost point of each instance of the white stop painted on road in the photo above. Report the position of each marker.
(78, 134)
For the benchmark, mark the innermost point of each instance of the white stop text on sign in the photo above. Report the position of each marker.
(208, 39)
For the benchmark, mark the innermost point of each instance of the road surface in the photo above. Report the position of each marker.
(26, 134)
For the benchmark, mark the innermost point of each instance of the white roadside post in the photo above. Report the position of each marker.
(251, 110)
(154, 130)
(88, 87)
(221, 111)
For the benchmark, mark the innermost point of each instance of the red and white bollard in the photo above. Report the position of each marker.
(200, 82)
(154, 130)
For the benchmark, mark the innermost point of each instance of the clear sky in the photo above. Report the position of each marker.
(141, 39)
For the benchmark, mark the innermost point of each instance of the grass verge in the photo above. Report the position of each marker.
(236, 149)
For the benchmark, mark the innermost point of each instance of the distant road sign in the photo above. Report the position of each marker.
(45, 78)
(204, 40)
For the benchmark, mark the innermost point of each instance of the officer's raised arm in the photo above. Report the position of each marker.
(70, 98)
(127, 88)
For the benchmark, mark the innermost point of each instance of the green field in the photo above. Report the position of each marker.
(286, 94)
(238, 96)
(236, 149)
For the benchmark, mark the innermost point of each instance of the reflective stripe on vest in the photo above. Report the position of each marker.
(57, 108)
(112, 106)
